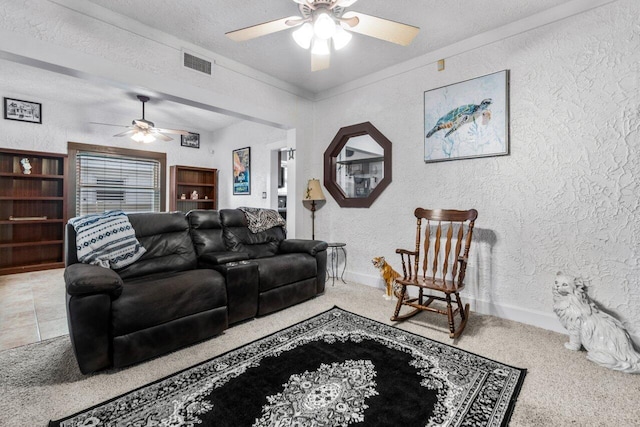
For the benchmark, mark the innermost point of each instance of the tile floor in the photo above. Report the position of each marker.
(32, 307)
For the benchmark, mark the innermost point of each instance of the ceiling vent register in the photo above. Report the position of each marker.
(197, 64)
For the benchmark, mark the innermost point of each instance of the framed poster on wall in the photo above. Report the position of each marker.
(192, 140)
(22, 111)
(467, 119)
(242, 171)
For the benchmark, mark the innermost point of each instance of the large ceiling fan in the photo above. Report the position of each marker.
(325, 21)
(142, 130)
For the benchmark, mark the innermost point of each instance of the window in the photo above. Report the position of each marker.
(108, 178)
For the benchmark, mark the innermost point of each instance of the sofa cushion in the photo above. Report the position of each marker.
(168, 243)
(285, 269)
(157, 299)
(206, 231)
(238, 237)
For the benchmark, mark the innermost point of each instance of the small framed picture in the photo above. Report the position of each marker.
(22, 111)
(192, 140)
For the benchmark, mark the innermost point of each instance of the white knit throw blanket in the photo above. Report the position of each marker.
(106, 239)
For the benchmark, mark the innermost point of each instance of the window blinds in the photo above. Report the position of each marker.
(106, 182)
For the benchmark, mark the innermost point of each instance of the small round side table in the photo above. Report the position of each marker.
(332, 269)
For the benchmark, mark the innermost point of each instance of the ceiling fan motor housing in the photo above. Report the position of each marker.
(143, 123)
(308, 13)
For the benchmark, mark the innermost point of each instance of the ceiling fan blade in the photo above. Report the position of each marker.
(173, 131)
(319, 62)
(126, 133)
(297, 21)
(351, 22)
(109, 124)
(261, 29)
(161, 136)
(383, 29)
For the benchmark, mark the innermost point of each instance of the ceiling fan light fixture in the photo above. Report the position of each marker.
(143, 137)
(304, 35)
(148, 138)
(320, 47)
(324, 26)
(341, 38)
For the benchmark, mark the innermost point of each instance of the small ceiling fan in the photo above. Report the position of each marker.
(142, 130)
(323, 21)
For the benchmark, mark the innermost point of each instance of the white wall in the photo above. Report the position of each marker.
(64, 122)
(259, 138)
(565, 199)
(116, 51)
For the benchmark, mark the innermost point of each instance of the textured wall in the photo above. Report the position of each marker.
(565, 199)
(257, 137)
(131, 58)
(49, 22)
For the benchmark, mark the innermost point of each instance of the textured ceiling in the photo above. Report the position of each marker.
(441, 23)
(105, 104)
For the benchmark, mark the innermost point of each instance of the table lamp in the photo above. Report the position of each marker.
(313, 194)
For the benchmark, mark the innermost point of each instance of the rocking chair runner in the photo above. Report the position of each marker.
(440, 269)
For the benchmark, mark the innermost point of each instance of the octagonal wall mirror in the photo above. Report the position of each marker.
(357, 165)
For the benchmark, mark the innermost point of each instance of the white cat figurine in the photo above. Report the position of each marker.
(607, 342)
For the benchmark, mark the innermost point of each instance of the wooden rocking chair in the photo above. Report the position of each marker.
(439, 270)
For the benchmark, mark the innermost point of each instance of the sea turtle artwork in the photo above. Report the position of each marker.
(462, 115)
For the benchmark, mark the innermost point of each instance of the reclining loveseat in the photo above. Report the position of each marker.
(201, 272)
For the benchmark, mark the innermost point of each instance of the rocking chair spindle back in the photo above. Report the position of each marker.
(441, 269)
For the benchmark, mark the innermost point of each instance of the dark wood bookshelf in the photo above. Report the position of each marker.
(34, 239)
(187, 179)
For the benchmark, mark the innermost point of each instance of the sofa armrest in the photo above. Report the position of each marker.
(212, 259)
(87, 279)
(312, 247)
(242, 282)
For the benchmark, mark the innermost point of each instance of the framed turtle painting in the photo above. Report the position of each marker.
(467, 119)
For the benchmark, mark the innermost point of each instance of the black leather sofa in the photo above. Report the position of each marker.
(200, 273)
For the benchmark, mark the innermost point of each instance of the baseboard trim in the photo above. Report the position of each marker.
(540, 319)
(531, 317)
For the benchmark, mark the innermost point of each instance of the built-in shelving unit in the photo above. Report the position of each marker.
(187, 179)
(33, 210)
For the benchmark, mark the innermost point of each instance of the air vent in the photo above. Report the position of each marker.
(195, 63)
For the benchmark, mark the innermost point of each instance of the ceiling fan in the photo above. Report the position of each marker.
(142, 130)
(325, 21)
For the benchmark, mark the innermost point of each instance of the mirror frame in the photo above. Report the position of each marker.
(330, 162)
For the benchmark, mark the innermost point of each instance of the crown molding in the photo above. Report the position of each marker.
(125, 23)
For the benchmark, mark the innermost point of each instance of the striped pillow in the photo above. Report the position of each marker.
(106, 239)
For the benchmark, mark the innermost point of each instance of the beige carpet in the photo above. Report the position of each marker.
(41, 381)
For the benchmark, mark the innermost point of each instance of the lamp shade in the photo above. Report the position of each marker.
(320, 46)
(324, 27)
(341, 38)
(303, 35)
(314, 190)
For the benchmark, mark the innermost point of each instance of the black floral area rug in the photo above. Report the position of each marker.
(334, 369)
